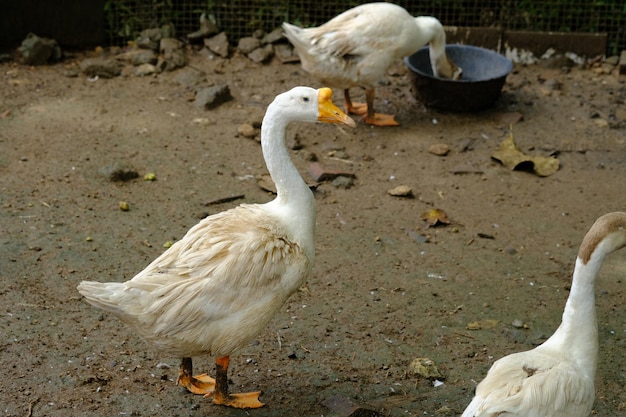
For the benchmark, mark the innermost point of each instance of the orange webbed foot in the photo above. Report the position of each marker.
(200, 384)
(357, 108)
(238, 400)
(381, 120)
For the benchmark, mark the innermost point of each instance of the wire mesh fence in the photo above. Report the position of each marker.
(239, 18)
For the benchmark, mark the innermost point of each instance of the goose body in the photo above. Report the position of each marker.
(215, 289)
(556, 379)
(355, 48)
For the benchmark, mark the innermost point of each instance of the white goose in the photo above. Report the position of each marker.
(355, 48)
(556, 379)
(215, 289)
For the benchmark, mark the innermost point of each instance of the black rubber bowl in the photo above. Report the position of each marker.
(480, 85)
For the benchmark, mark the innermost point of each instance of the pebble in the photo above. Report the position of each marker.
(247, 130)
(439, 149)
(401, 191)
(211, 97)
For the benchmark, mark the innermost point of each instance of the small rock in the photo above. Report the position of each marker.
(401, 191)
(218, 44)
(149, 39)
(211, 97)
(189, 77)
(248, 44)
(124, 206)
(277, 34)
(138, 57)
(247, 130)
(285, 53)
(261, 55)
(145, 69)
(425, 368)
(172, 54)
(39, 51)
(343, 182)
(620, 113)
(439, 149)
(518, 324)
(601, 122)
(101, 67)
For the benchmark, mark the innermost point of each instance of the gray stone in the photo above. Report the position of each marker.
(261, 55)
(273, 37)
(285, 53)
(39, 51)
(172, 54)
(248, 44)
(138, 57)
(211, 97)
(145, 69)
(101, 67)
(190, 77)
(218, 44)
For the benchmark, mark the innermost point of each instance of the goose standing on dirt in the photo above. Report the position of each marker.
(556, 379)
(355, 48)
(218, 287)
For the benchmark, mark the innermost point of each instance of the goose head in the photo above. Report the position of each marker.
(305, 104)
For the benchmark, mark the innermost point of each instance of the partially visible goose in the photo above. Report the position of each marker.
(355, 48)
(214, 290)
(556, 379)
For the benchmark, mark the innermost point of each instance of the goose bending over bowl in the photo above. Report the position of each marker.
(355, 48)
(556, 379)
(218, 287)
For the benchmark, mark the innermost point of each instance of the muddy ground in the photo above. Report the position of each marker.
(385, 289)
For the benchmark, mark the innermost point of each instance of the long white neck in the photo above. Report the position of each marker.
(578, 332)
(294, 198)
(430, 30)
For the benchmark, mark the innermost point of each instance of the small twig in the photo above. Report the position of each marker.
(30, 407)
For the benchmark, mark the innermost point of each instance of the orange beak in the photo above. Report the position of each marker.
(329, 113)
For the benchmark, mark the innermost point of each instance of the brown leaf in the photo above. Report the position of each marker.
(435, 217)
(511, 157)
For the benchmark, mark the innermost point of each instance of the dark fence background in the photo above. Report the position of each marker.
(240, 18)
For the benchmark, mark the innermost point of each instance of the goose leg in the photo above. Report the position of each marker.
(377, 119)
(221, 395)
(353, 108)
(199, 384)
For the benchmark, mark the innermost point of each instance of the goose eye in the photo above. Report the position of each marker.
(305, 99)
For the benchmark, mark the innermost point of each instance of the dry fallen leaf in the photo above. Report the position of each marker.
(511, 157)
(435, 217)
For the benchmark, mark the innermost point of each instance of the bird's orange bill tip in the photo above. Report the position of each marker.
(329, 113)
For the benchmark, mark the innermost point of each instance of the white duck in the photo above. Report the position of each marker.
(355, 48)
(556, 379)
(218, 287)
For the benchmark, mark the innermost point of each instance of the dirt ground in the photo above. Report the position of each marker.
(385, 289)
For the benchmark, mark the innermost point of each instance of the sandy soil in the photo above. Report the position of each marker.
(379, 296)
